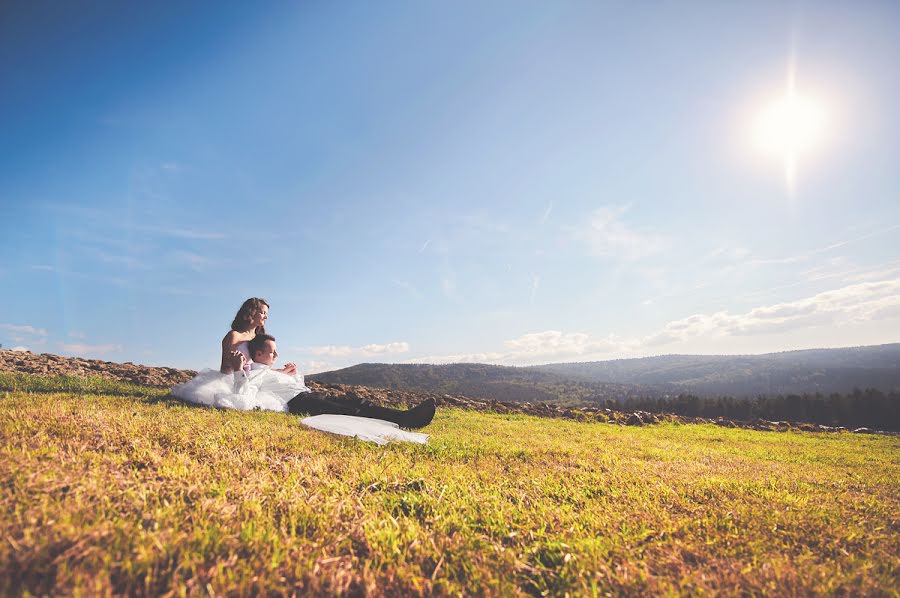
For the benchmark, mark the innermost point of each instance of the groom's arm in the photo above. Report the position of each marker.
(289, 368)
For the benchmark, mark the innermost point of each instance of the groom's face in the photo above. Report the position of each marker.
(267, 354)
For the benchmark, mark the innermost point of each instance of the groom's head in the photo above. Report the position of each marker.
(262, 349)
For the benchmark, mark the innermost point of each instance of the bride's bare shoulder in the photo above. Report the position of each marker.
(231, 339)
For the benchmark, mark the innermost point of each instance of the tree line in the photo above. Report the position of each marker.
(869, 408)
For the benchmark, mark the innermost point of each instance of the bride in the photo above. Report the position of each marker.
(247, 379)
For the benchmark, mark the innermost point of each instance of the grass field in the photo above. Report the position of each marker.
(132, 493)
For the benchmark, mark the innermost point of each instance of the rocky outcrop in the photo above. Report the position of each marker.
(46, 364)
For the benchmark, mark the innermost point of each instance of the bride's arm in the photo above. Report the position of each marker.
(231, 358)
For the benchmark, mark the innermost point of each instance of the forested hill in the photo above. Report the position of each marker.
(823, 371)
(478, 380)
(816, 370)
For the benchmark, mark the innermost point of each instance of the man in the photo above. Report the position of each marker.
(263, 350)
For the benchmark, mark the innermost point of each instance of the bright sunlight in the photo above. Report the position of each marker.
(789, 127)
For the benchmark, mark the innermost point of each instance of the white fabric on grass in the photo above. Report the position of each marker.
(364, 428)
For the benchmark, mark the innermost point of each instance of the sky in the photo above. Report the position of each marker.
(429, 182)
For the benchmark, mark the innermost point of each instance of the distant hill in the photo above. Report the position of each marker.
(815, 370)
(812, 371)
(478, 380)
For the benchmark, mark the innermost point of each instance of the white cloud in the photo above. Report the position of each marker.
(554, 344)
(22, 349)
(24, 329)
(183, 233)
(461, 358)
(547, 213)
(855, 303)
(314, 367)
(538, 347)
(83, 349)
(608, 236)
(194, 261)
(363, 351)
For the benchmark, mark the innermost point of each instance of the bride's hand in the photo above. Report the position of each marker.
(289, 368)
(237, 360)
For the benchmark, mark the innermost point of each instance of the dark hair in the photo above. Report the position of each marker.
(245, 314)
(258, 342)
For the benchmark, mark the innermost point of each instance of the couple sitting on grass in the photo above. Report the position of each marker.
(247, 379)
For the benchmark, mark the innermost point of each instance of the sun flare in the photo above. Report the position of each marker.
(790, 127)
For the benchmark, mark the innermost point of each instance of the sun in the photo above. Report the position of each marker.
(790, 127)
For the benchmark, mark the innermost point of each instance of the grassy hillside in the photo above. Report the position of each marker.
(140, 495)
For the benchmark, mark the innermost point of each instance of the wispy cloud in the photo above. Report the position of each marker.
(195, 261)
(863, 302)
(86, 350)
(128, 261)
(314, 366)
(554, 344)
(31, 330)
(742, 255)
(608, 236)
(843, 243)
(535, 284)
(539, 347)
(424, 246)
(42, 268)
(546, 215)
(854, 303)
(24, 335)
(408, 287)
(496, 358)
(183, 233)
(361, 351)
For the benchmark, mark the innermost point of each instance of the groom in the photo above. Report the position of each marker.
(263, 351)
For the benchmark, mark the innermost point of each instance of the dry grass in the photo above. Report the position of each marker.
(116, 494)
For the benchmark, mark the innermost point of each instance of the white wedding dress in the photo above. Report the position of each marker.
(261, 388)
(264, 388)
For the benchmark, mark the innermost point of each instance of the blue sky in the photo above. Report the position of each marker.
(508, 182)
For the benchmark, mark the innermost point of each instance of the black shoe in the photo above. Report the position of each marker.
(417, 417)
(420, 415)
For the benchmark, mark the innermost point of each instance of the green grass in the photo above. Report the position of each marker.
(18, 381)
(138, 495)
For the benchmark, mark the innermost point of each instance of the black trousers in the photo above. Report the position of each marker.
(312, 404)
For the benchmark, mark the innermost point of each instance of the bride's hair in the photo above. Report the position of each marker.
(246, 313)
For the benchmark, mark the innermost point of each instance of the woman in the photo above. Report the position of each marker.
(235, 386)
(249, 321)
(231, 386)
